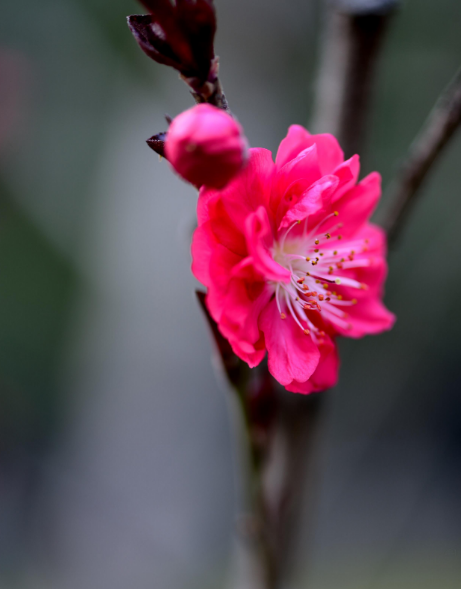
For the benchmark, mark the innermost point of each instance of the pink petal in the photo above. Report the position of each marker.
(292, 354)
(357, 205)
(259, 239)
(325, 375)
(251, 188)
(240, 319)
(224, 229)
(367, 317)
(222, 262)
(206, 195)
(298, 139)
(203, 244)
(347, 173)
(311, 201)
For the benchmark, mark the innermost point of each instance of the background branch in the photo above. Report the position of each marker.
(353, 37)
(436, 132)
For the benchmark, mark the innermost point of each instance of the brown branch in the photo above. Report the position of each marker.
(211, 91)
(353, 38)
(436, 132)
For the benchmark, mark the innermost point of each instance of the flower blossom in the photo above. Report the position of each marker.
(206, 146)
(290, 260)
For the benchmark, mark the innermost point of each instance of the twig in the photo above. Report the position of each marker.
(354, 33)
(436, 132)
(212, 91)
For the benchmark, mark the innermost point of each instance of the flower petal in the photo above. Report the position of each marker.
(259, 239)
(203, 245)
(311, 200)
(292, 354)
(356, 206)
(347, 173)
(367, 317)
(298, 138)
(325, 375)
(251, 188)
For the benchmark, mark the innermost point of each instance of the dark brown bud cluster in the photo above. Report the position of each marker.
(180, 34)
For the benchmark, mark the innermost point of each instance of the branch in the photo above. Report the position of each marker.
(436, 132)
(354, 34)
(212, 91)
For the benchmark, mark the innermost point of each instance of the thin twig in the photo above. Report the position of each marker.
(353, 38)
(436, 132)
(211, 91)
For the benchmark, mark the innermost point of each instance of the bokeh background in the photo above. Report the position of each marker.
(116, 452)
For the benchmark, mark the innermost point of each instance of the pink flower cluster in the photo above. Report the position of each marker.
(290, 259)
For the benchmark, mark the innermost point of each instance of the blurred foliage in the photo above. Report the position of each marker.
(36, 292)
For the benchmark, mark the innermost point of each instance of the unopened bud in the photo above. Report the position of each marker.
(206, 146)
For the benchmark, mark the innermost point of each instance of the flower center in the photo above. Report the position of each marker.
(315, 260)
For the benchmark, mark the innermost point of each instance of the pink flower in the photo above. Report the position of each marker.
(290, 260)
(206, 146)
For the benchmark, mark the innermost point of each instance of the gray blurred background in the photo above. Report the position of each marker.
(116, 452)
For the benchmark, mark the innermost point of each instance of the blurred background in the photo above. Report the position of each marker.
(116, 452)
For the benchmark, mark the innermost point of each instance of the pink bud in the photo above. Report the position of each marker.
(206, 146)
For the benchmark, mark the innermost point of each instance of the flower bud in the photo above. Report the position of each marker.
(206, 146)
(178, 34)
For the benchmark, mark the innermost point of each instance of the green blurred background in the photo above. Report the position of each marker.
(115, 446)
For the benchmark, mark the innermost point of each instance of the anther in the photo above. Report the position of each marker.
(306, 331)
(321, 297)
(308, 259)
(327, 235)
(316, 242)
(338, 281)
(354, 301)
(336, 213)
(340, 236)
(335, 253)
(300, 280)
(283, 316)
